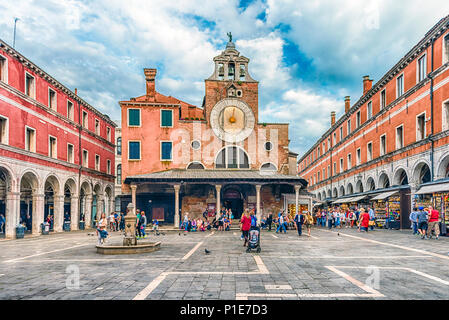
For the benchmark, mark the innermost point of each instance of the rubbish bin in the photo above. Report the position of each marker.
(66, 226)
(45, 228)
(82, 225)
(20, 231)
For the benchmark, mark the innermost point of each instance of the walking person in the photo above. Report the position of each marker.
(308, 221)
(245, 226)
(281, 225)
(414, 220)
(422, 222)
(371, 218)
(2, 223)
(433, 225)
(364, 220)
(330, 218)
(323, 218)
(299, 220)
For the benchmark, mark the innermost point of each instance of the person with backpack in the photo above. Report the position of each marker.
(281, 224)
(414, 220)
(143, 223)
(422, 222)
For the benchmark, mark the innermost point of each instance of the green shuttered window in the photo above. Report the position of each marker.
(166, 118)
(134, 150)
(166, 151)
(133, 117)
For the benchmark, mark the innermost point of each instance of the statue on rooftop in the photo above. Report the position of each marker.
(229, 34)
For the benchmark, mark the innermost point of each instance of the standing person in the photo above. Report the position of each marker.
(434, 217)
(364, 220)
(281, 224)
(299, 220)
(2, 223)
(337, 219)
(357, 213)
(205, 214)
(143, 223)
(414, 220)
(330, 217)
(352, 218)
(371, 218)
(245, 226)
(318, 218)
(422, 222)
(122, 221)
(323, 218)
(101, 229)
(253, 219)
(270, 221)
(116, 220)
(308, 221)
(185, 223)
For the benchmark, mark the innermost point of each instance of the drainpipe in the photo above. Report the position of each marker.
(79, 157)
(431, 117)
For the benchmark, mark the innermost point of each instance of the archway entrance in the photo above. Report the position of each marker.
(5, 187)
(233, 199)
(29, 203)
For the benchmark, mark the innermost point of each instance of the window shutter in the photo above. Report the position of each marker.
(166, 118)
(134, 150)
(166, 150)
(134, 117)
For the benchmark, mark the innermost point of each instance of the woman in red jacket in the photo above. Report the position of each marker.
(246, 226)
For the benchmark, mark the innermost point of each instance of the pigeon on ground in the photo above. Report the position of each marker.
(179, 234)
(206, 251)
(338, 233)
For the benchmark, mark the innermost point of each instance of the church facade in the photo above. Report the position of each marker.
(178, 158)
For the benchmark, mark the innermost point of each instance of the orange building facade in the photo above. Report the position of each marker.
(393, 141)
(228, 157)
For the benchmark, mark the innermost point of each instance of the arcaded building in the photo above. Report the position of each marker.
(56, 150)
(178, 158)
(390, 149)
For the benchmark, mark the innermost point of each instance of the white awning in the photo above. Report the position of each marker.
(433, 188)
(346, 200)
(384, 195)
(357, 199)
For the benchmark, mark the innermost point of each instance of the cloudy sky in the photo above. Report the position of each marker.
(306, 54)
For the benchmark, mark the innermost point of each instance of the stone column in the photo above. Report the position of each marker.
(88, 211)
(259, 214)
(133, 197)
(297, 199)
(38, 212)
(218, 208)
(100, 205)
(58, 210)
(176, 223)
(413, 189)
(74, 213)
(12, 214)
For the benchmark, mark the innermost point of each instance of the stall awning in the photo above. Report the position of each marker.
(357, 199)
(433, 188)
(384, 195)
(346, 200)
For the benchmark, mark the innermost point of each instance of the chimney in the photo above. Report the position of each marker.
(332, 118)
(76, 91)
(367, 84)
(150, 75)
(347, 103)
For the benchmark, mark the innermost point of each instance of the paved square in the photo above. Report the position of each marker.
(378, 265)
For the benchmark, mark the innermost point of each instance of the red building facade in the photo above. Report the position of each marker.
(395, 137)
(57, 152)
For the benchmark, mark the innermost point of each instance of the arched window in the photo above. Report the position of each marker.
(119, 174)
(119, 146)
(232, 158)
(195, 166)
(268, 166)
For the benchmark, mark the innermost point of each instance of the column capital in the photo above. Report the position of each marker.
(258, 187)
(177, 187)
(218, 187)
(133, 186)
(297, 188)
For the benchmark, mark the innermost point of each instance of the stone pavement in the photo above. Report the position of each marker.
(382, 264)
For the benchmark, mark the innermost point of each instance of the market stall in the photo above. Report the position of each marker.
(387, 209)
(436, 195)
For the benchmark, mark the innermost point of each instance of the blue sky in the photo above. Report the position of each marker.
(307, 55)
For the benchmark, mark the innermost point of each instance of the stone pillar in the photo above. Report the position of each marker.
(74, 213)
(259, 214)
(38, 212)
(176, 223)
(58, 210)
(413, 189)
(218, 208)
(100, 205)
(88, 211)
(133, 198)
(297, 199)
(12, 214)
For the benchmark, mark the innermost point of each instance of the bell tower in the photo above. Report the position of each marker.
(231, 79)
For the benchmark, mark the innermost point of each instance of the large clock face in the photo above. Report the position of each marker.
(232, 120)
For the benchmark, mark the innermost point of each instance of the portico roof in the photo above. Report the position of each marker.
(217, 176)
